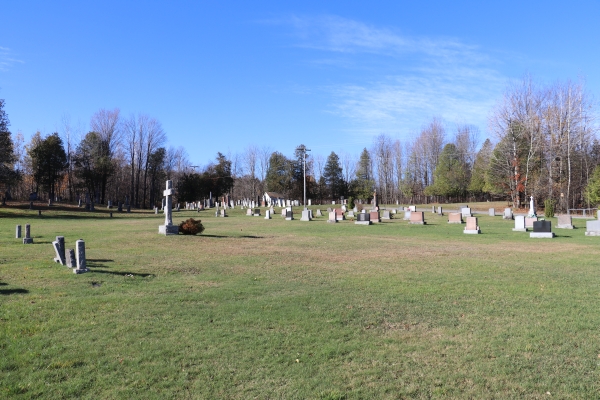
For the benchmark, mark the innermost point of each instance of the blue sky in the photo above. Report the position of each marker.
(221, 76)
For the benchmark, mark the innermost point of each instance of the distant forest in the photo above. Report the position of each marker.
(542, 143)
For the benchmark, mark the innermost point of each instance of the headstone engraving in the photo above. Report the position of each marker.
(168, 228)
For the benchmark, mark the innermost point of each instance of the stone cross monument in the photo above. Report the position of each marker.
(168, 228)
(531, 208)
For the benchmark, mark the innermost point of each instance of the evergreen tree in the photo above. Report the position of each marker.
(480, 166)
(7, 156)
(49, 162)
(333, 176)
(278, 177)
(364, 183)
(450, 176)
(592, 190)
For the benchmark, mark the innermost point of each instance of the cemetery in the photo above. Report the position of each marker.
(254, 301)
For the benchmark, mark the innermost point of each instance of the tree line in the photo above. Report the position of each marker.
(542, 143)
(119, 159)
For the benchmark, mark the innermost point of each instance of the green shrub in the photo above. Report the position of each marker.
(549, 208)
(191, 227)
(350, 203)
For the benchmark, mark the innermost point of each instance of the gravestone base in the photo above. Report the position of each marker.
(417, 222)
(519, 230)
(592, 233)
(472, 231)
(80, 271)
(455, 222)
(289, 218)
(363, 222)
(541, 235)
(332, 221)
(27, 240)
(168, 229)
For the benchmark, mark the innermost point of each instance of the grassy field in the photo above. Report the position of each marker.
(275, 309)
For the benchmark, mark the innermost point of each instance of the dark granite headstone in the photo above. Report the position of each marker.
(362, 217)
(542, 226)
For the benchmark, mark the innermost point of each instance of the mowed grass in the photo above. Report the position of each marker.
(271, 309)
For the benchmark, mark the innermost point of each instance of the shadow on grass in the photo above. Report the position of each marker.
(100, 271)
(6, 292)
(234, 237)
(98, 260)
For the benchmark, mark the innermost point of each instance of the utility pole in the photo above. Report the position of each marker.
(303, 149)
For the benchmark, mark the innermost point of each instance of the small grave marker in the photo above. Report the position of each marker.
(520, 224)
(564, 222)
(417, 218)
(472, 227)
(455, 218)
(27, 239)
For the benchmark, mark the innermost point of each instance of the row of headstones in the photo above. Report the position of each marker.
(71, 258)
(90, 206)
(542, 230)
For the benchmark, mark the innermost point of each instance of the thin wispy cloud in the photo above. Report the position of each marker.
(7, 60)
(409, 79)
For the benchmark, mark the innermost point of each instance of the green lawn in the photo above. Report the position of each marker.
(271, 309)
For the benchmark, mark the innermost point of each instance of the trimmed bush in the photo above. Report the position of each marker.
(191, 227)
(549, 208)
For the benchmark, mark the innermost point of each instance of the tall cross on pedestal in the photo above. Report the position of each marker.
(168, 203)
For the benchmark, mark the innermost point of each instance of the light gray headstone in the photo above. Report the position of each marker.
(27, 239)
(520, 224)
(71, 259)
(80, 256)
(60, 249)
